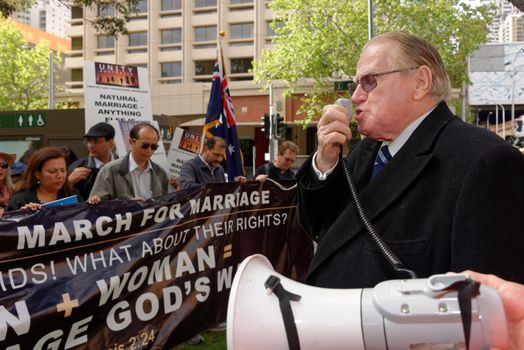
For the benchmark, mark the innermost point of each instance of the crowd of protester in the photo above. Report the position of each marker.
(52, 173)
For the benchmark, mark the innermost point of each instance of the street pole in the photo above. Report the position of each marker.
(51, 81)
(512, 102)
(464, 93)
(273, 142)
(504, 120)
(370, 19)
(496, 120)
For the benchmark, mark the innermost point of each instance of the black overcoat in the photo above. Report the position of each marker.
(451, 199)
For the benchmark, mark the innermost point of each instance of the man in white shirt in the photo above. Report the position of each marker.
(134, 176)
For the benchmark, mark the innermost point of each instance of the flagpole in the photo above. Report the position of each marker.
(220, 117)
(220, 36)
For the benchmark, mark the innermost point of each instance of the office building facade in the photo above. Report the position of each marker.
(176, 40)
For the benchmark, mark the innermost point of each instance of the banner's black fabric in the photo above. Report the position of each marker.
(130, 274)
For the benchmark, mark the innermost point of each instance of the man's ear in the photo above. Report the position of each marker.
(424, 80)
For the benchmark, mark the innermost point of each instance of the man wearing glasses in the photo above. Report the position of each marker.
(99, 141)
(280, 169)
(442, 194)
(134, 176)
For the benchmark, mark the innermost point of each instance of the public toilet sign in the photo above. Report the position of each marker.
(22, 120)
(342, 85)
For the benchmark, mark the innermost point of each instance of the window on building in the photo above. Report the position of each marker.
(170, 5)
(270, 25)
(105, 42)
(205, 3)
(237, 2)
(77, 12)
(207, 33)
(171, 69)
(171, 36)
(106, 10)
(77, 74)
(105, 53)
(204, 67)
(141, 6)
(77, 43)
(241, 65)
(241, 31)
(138, 39)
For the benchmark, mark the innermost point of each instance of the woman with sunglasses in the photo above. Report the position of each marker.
(44, 180)
(6, 184)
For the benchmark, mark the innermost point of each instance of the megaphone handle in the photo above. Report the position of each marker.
(285, 298)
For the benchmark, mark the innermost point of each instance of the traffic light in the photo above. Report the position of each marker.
(280, 126)
(267, 122)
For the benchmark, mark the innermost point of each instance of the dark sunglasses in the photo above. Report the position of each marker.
(369, 81)
(145, 145)
(4, 165)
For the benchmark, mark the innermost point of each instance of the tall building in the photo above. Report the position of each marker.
(504, 9)
(176, 40)
(47, 15)
(512, 29)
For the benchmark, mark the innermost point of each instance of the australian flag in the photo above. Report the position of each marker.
(220, 119)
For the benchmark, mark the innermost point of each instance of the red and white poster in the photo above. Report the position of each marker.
(114, 92)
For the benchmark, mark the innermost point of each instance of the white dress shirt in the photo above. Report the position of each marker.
(141, 178)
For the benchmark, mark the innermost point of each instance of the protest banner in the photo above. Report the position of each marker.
(132, 274)
(115, 92)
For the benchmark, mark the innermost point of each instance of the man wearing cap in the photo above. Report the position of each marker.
(99, 141)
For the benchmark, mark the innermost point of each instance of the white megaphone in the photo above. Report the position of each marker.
(269, 311)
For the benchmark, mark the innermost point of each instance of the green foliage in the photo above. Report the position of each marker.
(24, 71)
(112, 25)
(7, 7)
(321, 40)
(212, 341)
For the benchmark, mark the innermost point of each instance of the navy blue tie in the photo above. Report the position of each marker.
(383, 157)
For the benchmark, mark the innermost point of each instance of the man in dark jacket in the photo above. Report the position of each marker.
(280, 169)
(99, 141)
(205, 168)
(443, 195)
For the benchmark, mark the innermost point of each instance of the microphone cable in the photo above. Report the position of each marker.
(383, 247)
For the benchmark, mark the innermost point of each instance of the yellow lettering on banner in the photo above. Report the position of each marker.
(67, 306)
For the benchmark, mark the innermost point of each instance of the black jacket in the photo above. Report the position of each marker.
(451, 199)
(84, 186)
(274, 173)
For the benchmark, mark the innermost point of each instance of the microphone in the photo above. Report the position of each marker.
(345, 102)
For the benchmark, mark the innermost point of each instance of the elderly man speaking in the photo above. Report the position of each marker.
(443, 195)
